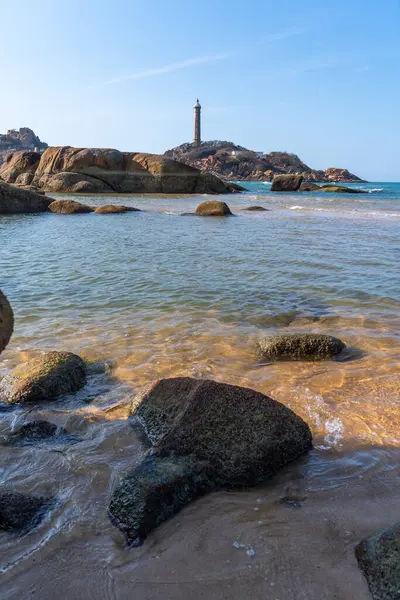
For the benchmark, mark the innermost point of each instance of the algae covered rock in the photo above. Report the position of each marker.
(19, 512)
(6, 321)
(44, 377)
(341, 189)
(286, 183)
(308, 186)
(299, 346)
(69, 207)
(205, 436)
(379, 558)
(112, 209)
(213, 208)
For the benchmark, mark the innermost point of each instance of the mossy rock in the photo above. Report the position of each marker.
(235, 187)
(299, 346)
(69, 207)
(204, 436)
(44, 377)
(19, 513)
(112, 209)
(213, 208)
(6, 321)
(379, 559)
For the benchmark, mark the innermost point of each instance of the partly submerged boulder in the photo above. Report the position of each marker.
(308, 186)
(16, 200)
(213, 208)
(35, 431)
(286, 183)
(341, 189)
(19, 512)
(256, 208)
(44, 377)
(379, 558)
(205, 436)
(69, 207)
(299, 346)
(6, 321)
(112, 209)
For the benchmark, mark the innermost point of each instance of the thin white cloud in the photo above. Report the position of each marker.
(153, 72)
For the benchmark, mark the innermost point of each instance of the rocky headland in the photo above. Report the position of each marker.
(230, 161)
(20, 139)
(106, 170)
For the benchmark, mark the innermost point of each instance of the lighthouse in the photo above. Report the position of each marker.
(197, 124)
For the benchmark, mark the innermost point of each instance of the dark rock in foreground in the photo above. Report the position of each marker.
(205, 436)
(6, 321)
(154, 492)
(36, 431)
(14, 200)
(69, 207)
(112, 209)
(44, 377)
(299, 346)
(379, 558)
(19, 512)
(213, 208)
(286, 183)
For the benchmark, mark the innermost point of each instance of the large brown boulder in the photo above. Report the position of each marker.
(44, 377)
(286, 183)
(6, 321)
(213, 208)
(69, 207)
(378, 557)
(205, 436)
(19, 167)
(16, 200)
(299, 346)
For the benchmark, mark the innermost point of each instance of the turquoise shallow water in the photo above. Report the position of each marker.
(154, 294)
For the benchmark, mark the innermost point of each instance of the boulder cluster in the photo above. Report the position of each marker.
(105, 170)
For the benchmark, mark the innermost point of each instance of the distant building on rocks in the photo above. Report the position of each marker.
(197, 124)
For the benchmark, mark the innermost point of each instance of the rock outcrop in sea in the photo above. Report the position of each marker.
(230, 161)
(105, 170)
(205, 436)
(14, 200)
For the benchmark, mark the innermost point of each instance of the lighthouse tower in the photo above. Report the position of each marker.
(197, 123)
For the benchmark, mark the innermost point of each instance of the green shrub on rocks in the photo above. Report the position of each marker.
(299, 346)
(44, 377)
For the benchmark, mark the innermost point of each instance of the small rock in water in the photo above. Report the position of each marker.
(20, 513)
(69, 207)
(44, 377)
(300, 346)
(213, 208)
(37, 431)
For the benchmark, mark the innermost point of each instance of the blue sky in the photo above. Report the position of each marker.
(320, 79)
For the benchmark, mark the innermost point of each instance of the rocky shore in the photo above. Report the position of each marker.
(230, 161)
(199, 436)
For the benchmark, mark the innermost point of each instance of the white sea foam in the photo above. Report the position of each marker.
(297, 207)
